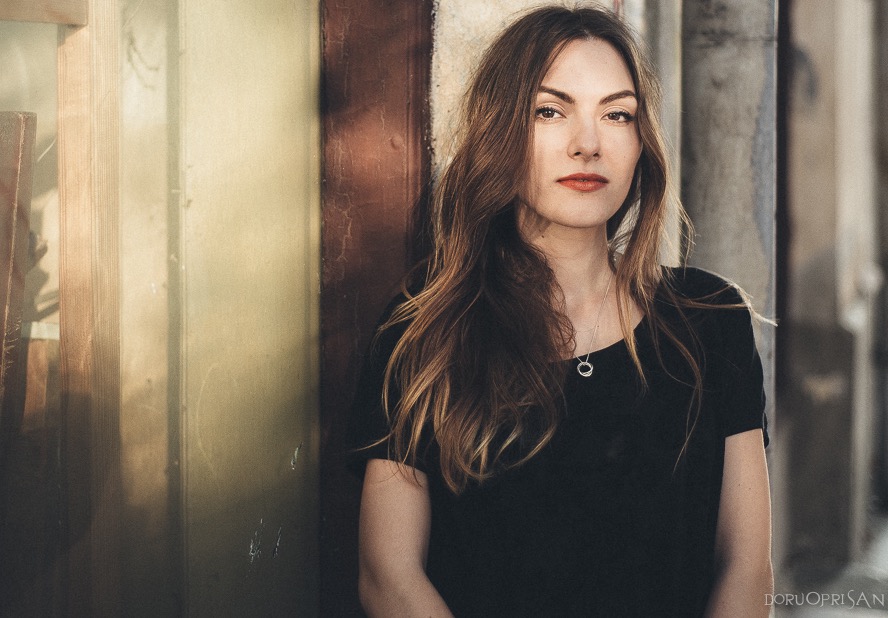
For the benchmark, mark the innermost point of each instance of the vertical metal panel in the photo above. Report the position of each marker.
(376, 66)
(249, 284)
(815, 394)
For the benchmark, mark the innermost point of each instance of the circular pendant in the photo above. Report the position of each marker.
(584, 368)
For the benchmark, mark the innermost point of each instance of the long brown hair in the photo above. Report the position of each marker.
(477, 362)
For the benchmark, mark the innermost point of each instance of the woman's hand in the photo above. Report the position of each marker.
(394, 541)
(743, 536)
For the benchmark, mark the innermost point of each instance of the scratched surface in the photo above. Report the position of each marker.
(249, 290)
(219, 266)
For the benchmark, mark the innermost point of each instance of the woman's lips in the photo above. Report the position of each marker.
(583, 182)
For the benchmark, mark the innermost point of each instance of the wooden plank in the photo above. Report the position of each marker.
(376, 163)
(88, 145)
(17, 138)
(70, 12)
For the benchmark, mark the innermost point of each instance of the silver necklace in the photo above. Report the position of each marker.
(585, 368)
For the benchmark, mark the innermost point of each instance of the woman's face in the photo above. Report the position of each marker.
(585, 140)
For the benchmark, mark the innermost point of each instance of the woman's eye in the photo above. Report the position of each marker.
(620, 116)
(547, 113)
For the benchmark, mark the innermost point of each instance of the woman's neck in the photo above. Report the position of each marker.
(580, 261)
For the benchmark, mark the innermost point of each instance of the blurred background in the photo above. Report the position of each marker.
(219, 197)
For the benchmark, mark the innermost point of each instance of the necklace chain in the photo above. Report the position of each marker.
(585, 368)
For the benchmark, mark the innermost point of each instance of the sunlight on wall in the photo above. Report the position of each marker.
(220, 225)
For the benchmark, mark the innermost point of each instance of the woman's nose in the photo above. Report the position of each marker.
(585, 142)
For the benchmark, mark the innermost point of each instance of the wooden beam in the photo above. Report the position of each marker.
(69, 12)
(89, 109)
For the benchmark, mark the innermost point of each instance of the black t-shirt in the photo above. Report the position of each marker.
(602, 522)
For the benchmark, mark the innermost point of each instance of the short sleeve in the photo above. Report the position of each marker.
(730, 343)
(742, 379)
(368, 423)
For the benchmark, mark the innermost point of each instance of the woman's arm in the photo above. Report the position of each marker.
(394, 542)
(743, 533)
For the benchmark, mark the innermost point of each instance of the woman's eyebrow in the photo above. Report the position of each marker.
(558, 93)
(622, 94)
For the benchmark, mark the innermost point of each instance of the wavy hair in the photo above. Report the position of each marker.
(477, 363)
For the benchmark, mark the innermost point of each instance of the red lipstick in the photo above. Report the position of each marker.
(583, 182)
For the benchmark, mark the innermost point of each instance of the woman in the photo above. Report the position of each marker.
(552, 423)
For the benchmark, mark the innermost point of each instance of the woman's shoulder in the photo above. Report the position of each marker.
(699, 285)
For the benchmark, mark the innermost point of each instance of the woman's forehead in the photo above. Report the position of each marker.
(588, 66)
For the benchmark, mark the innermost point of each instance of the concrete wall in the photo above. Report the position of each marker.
(729, 146)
